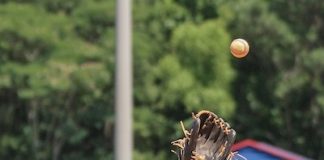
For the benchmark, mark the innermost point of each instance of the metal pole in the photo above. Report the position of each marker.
(123, 83)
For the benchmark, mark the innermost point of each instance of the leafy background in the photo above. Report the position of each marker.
(57, 74)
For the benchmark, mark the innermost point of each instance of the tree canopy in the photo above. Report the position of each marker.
(57, 74)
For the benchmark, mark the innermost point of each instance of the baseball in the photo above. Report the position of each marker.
(239, 48)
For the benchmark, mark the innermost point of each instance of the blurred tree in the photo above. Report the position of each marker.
(279, 82)
(56, 74)
(302, 85)
(201, 10)
(180, 67)
(58, 87)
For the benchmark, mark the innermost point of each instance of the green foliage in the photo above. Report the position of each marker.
(52, 80)
(280, 82)
(57, 65)
(201, 10)
(210, 67)
(180, 69)
(93, 18)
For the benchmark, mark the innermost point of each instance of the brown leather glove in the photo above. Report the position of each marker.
(210, 138)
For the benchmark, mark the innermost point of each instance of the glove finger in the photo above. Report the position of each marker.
(203, 146)
(191, 145)
(214, 133)
(220, 125)
(229, 142)
(220, 140)
(210, 144)
(207, 126)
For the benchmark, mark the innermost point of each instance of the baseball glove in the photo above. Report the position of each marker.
(210, 138)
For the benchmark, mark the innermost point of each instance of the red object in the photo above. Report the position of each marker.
(272, 150)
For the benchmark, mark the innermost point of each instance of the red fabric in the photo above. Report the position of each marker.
(278, 152)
